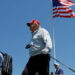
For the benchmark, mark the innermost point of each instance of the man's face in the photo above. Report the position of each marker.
(56, 66)
(33, 27)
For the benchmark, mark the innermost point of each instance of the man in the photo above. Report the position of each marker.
(58, 70)
(39, 49)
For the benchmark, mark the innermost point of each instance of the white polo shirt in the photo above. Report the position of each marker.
(41, 42)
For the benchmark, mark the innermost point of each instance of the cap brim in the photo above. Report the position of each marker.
(28, 24)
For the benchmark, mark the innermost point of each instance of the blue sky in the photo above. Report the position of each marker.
(14, 34)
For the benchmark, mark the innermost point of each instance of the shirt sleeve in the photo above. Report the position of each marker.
(47, 39)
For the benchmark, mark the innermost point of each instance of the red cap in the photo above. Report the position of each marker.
(36, 21)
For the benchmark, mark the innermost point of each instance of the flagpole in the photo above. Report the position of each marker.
(54, 48)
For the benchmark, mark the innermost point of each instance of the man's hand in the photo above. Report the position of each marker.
(28, 46)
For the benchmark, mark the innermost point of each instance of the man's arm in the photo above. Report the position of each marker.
(47, 40)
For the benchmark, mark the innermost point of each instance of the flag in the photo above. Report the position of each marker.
(61, 8)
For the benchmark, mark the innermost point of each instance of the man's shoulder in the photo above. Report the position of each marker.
(60, 70)
(44, 30)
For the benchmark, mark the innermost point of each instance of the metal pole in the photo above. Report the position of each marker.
(54, 43)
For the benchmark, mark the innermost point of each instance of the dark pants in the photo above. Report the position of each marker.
(25, 71)
(38, 63)
(5, 73)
